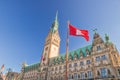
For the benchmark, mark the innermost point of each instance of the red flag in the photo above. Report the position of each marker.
(43, 58)
(77, 32)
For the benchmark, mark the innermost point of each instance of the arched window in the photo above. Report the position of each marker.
(98, 73)
(108, 72)
(72, 77)
(85, 75)
(78, 75)
(119, 71)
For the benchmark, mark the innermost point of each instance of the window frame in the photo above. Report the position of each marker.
(88, 61)
(81, 63)
(98, 58)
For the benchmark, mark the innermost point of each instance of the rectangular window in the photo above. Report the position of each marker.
(88, 62)
(75, 76)
(75, 64)
(103, 72)
(82, 75)
(52, 69)
(89, 74)
(119, 71)
(103, 57)
(60, 68)
(56, 68)
(98, 58)
(70, 77)
(81, 63)
(98, 48)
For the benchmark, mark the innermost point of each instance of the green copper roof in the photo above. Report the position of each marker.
(78, 52)
(32, 67)
(54, 27)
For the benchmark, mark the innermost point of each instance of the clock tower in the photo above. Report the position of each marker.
(51, 48)
(52, 42)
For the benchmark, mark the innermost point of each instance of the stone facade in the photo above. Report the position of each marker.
(100, 60)
(11, 76)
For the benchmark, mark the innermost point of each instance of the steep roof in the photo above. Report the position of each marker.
(78, 52)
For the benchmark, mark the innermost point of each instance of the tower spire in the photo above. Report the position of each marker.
(54, 27)
(56, 18)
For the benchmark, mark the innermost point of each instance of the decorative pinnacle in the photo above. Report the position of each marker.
(106, 38)
(56, 18)
(95, 30)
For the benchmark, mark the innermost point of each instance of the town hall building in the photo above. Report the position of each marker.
(99, 60)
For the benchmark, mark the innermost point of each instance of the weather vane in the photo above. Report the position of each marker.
(95, 30)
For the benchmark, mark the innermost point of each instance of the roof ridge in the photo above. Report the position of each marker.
(32, 64)
(75, 50)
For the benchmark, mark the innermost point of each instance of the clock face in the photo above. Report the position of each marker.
(54, 51)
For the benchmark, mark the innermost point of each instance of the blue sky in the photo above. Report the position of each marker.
(24, 24)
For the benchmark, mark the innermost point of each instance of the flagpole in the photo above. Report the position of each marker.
(67, 41)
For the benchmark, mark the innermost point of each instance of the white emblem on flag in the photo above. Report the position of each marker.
(78, 32)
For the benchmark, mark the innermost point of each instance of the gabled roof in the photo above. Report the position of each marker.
(79, 52)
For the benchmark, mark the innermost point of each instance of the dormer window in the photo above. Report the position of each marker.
(98, 48)
(70, 57)
(81, 53)
(75, 55)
